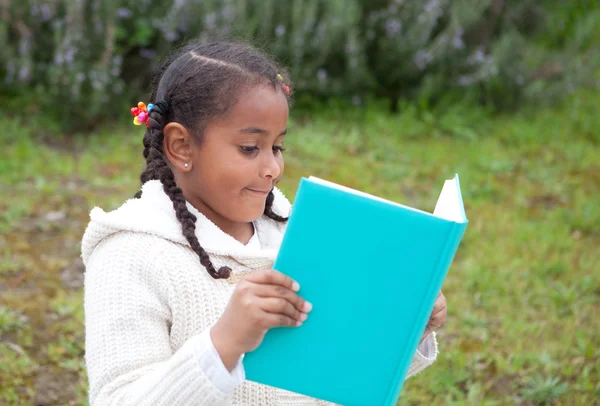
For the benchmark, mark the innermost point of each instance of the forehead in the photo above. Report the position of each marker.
(259, 106)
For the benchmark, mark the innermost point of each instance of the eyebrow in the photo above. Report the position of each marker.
(256, 130)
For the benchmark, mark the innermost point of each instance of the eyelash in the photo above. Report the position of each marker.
(249, 150)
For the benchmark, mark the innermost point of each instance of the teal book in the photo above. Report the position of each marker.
(372, 269)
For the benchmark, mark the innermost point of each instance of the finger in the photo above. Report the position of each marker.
(277, 305)
(439, 305)
(279, 320)
(272, 277)
(262, 290)
(438, 321)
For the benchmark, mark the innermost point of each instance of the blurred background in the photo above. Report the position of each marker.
(391, 97)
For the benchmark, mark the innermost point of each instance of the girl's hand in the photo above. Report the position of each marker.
(438, 316)
(262, 300)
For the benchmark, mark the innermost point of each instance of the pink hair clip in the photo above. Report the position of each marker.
(286, 88)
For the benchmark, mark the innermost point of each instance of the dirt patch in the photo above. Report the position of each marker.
(54, 387)
(72, 276)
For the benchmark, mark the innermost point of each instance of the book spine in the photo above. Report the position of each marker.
(444, 261)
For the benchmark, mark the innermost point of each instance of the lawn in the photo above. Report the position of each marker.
(523, 291)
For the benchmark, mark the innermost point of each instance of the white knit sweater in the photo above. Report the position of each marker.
(149, 307)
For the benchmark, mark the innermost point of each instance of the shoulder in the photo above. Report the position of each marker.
(137, 263)
(130, 252)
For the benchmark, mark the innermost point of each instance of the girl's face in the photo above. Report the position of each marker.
(239, 159)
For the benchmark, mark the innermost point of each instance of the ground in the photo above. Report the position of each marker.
(523, 291)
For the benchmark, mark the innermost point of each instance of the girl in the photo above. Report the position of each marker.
(178, 283)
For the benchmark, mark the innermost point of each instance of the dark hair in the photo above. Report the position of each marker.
(196, 84)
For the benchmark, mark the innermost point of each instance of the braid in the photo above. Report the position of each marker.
(188, 223)
(269, 209)
(157, 168)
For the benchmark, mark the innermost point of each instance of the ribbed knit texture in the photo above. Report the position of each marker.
(147, 299)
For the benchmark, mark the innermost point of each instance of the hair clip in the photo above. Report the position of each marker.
(286, 88)
(141, 113)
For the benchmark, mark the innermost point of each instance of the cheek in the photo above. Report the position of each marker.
(281, 167)
(234, 175)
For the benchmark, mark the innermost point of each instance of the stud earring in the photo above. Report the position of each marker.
(186, 164)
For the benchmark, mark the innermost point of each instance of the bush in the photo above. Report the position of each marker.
(86, 61)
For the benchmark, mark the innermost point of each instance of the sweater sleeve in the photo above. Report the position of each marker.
(127, 319)
(425, 355)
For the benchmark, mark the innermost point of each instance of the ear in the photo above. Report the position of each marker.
(177, 145)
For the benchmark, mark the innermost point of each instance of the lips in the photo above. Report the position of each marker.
(259, 191)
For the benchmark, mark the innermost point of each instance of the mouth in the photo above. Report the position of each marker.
(258, 191)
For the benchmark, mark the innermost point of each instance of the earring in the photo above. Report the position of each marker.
(186, 164)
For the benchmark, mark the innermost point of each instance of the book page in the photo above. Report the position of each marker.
(357, 192)
(449, 204)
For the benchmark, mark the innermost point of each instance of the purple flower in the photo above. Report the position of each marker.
(393, 27)
(170, 36)
(69, 55)
(422, 58)
(24, 74)
(46, 13)
(457, 42)
(123, 12)
(464, 81)
(431, 5)
(147, 53)
(477, 58)
(210, 20)
(350, 48)
(322, 75)
(280, 30)
(24, 46)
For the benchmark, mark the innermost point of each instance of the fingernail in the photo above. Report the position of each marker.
(295, 286)
(298, 323)
(307, 306)
(303, 316)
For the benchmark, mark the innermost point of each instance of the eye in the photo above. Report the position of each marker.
(248, 150)
(277, 149)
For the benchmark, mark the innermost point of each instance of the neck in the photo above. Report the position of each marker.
(241, 231)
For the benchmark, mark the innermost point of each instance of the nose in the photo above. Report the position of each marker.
(269, 166)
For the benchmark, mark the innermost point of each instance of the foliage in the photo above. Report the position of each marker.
(86, 61)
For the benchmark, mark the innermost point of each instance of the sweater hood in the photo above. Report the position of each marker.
(153, 214)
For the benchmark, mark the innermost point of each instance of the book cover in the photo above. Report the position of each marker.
(372, 269)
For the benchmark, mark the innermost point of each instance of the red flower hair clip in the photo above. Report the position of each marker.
(141, 113)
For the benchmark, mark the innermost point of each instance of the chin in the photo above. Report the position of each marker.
(249, 215)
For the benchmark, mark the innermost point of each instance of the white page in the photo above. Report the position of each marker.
(448, 205)
(358, 192)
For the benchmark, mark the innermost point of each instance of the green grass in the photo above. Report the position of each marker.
(523, 292)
